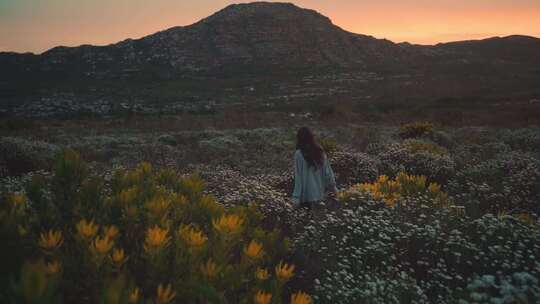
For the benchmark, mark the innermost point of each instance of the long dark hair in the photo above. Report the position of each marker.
(311, 150)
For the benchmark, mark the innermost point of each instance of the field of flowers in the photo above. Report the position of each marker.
(424, 215)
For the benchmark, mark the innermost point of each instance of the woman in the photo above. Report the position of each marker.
(313, 176)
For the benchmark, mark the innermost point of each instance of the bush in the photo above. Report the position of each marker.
(442, 138)
(396, 158)
(509, 182)
(329, 145)
(352, 168)
(19, 156)
(472, 154)
(368, 253)
(365, 137)
(393, 191)
(519, 287)
(226, 143)
(527, 140)
(416, 129)
(416, 146)
(167, 139)
(148, 236)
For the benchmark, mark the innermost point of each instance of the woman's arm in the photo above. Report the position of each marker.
(298, 170)
(329, 177)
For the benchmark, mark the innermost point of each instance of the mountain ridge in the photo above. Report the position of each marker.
(288, 51)
(233, 7)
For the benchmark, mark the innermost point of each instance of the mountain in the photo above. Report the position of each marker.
(255, 35)
(242, 41)
(516, 48)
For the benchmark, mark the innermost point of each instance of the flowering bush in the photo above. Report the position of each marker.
(527, 140)
(146, 237)
(353, 168)
(392, 191)
(396, 158)
(472, 154)
(415, 129)
(368, 253)
(329, 145)
(509, 182)
(442, 138)
(417, 145)
(18, 156)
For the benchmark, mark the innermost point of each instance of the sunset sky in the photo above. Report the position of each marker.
(37, 25)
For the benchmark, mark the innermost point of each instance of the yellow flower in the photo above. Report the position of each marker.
(164, 294)
(134, 296)
(127, 196)
(101, 245)
(207, 202)
(526, 218)
(158, 206)
(86, 229)
(262, 297)
(284, 271)
(434, 188)
(51, 240)
(118, 256)
(254, 250)
(144, 168)
(391, 199)
(382, 179)
(17, 199)
(180, 200)
(52, 268)
(209, 269)
(228, 224)
(500, 215)
(131, 211)
(111, 231)
(301, 298)
(458, 210)
(193, 237)
(420, 181)
(156, 239)
(261, 274)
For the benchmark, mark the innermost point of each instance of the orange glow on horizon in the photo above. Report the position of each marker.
(102, 22)
(432, 27)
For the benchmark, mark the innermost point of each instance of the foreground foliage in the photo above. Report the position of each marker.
(415, 252)
(146, 236)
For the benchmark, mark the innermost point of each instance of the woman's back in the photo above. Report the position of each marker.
(311, 181)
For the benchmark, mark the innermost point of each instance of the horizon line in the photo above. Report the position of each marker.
(422, 41)
(487, 37)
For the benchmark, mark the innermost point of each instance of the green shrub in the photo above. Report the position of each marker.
(508, 182)
(416, 129)
(19, 156)
(396, 158)
(351, 168)
(393, 191)
(329, 145)
(149, 236)
(417, 145)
